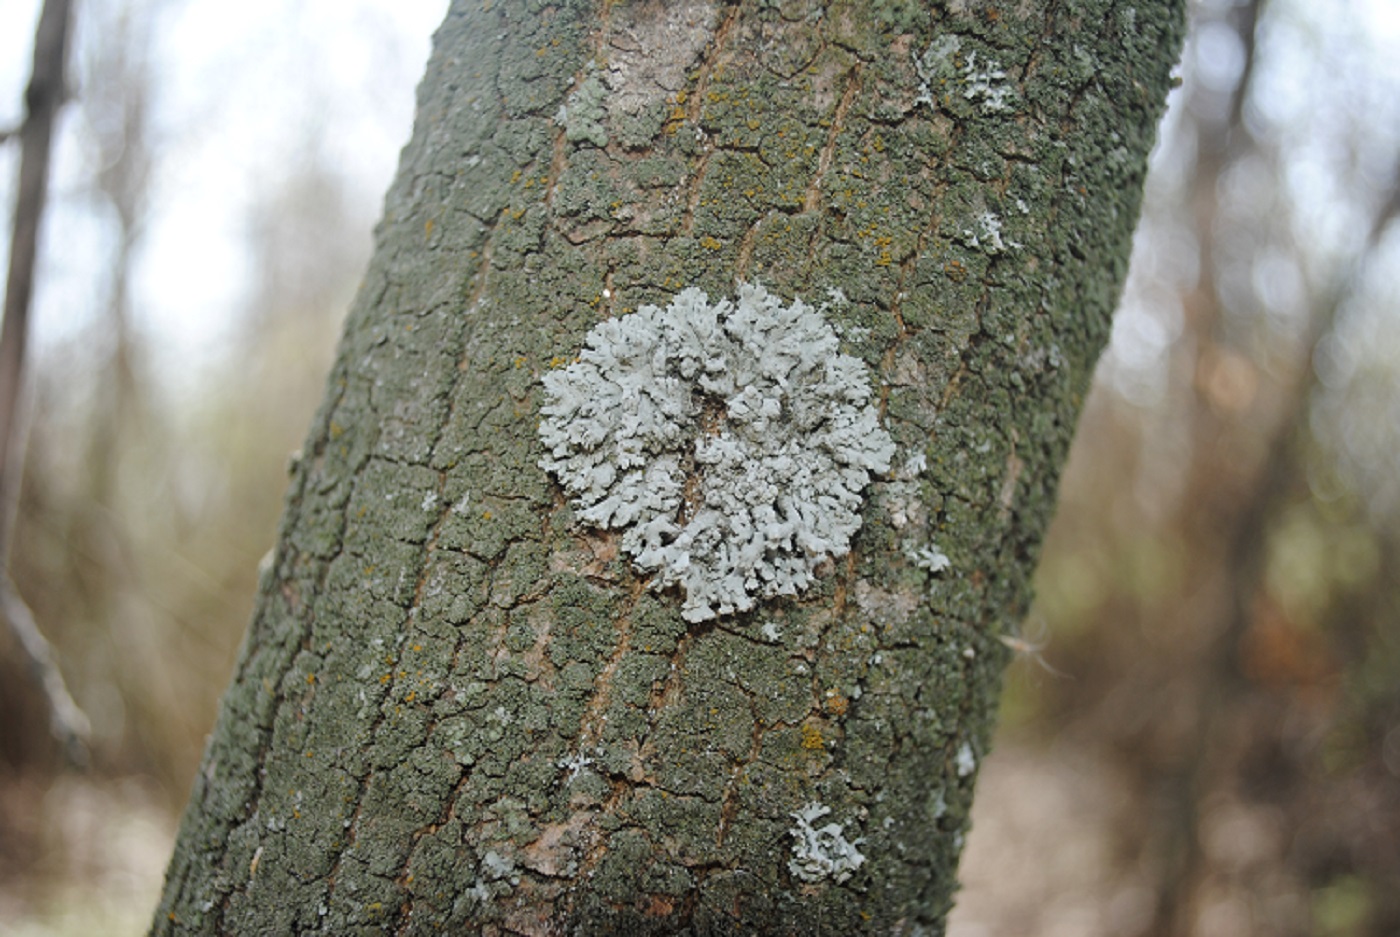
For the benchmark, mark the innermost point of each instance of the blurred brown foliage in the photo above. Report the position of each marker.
(1222, 582)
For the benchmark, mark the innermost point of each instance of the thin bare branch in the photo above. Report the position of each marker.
(67, 722)
(43, 98)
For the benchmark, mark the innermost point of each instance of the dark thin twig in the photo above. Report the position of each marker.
(68, 723)
(42, 99)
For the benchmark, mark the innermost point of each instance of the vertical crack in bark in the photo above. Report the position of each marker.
(812, 201)
(595, 713)
(692, 196)
(558, 162)
(729, 800)
(695, 106)
(746, 243)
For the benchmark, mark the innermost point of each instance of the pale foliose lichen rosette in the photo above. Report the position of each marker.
(728, 441)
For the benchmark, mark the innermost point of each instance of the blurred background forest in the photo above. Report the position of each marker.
(1201, 735)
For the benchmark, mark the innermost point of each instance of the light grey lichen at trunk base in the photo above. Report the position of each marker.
(460, 706)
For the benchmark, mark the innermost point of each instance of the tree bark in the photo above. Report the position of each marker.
(457, 709)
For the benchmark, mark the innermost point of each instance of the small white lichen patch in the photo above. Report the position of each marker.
(914, 466)
(822, 852)
(986, 83)
(935, 67)
(902, 502)
(983, 83)
(853, 333)
(931, 558)
(574, 764)
(729, 441)
(494, 867)
(987, 235)
(966, 762)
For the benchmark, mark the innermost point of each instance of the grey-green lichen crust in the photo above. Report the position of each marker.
(729, 442)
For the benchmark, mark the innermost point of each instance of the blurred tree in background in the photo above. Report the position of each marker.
(147, 500)
(150, 492)
(1220, 594)
(1221, 584)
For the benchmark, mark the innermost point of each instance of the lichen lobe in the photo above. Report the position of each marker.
(728, 441)
(822, 852)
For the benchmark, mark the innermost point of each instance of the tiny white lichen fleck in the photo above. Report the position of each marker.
(986, 83)
(824, 852)
(932, 559)
(854, 333)
(991, 227)
(729, 441)
(914, 466)
(966, 762)
(575, 765)
(987, 235)
(496, 867)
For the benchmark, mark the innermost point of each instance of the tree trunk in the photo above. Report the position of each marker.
(460, 707)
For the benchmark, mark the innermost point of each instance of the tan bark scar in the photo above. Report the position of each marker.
(651, 46)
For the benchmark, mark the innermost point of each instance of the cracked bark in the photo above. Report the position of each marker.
(456, 710)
